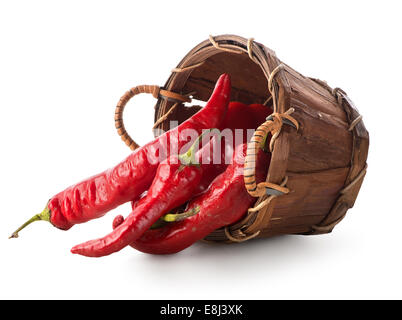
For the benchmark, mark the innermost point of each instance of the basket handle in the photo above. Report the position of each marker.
(156, 92)
(273, 125)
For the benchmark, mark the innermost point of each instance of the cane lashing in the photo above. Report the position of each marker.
(187, 68)
(156, 92)
(272, 126)
(253, 220)
(238, 235)
(217, 46)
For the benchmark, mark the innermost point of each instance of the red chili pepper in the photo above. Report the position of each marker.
(118, 220)
(242, 116)
(93, 197)
(259, 112)
(224, 203)
(211, 169)
(175, 180)
(245, 117)
(213, 161)
(238, 116)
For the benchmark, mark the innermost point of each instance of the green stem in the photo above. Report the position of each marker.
(188, 158)
(44, 216)
(263, 143)
(174, 217)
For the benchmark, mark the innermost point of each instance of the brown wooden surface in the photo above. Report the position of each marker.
(312, 194)
(358, 159)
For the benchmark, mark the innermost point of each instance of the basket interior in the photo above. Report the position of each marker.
(249, 84)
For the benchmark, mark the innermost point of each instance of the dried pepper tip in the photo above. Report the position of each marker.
(44, 216)
(173, 217)
(188, 158)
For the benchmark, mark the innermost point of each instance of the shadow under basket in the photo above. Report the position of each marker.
(322, 164)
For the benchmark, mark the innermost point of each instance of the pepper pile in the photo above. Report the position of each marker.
(177, 198)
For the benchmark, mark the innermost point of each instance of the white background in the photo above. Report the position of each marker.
(65, 64)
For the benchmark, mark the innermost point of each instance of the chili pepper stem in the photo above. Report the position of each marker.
(172, 217)
(44, 216)
(188, 158)
(263, 143)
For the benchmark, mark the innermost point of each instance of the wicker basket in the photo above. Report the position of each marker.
(316, 170)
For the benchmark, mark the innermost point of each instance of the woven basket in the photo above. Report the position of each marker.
(318, 164)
